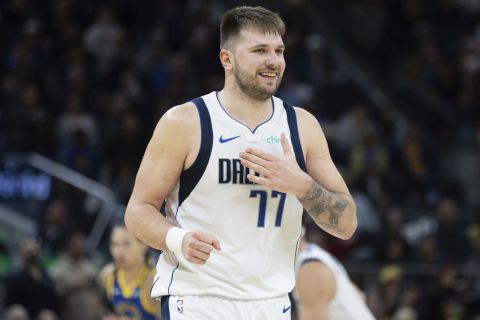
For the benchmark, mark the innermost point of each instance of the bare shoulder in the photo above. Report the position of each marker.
(181, 117)
(305, 117)
(107, 270)
(312, 136)
(178, 131)
(315, 281)
(181, 112)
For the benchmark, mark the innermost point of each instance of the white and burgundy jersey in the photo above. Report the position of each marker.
(258, 228)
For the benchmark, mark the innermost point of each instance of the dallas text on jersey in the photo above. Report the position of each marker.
(232, 171)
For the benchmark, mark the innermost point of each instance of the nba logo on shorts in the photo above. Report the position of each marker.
(180, 305)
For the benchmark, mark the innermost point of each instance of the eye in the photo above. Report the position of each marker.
(279, 51)
(259, 50)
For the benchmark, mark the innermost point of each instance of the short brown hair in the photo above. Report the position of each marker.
(234, 20)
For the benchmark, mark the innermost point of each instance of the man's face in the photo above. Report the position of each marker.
(258, 63)
(29, 250)
(126, 250)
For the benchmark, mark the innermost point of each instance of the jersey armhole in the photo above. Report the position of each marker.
(310, 260)
(295, 136)
(191, 176)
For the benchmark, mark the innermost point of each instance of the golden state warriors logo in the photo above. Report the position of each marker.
(127, 311)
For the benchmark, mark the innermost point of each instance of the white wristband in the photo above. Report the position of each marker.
(174, 239)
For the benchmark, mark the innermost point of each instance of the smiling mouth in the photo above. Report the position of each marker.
(268, 75)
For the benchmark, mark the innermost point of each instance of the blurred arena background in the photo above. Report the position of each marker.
(394, 83)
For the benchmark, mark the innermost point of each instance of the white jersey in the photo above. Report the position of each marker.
(347, 303)
(258, 228)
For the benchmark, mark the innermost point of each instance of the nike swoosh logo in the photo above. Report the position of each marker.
(221, 140)
(286, 309)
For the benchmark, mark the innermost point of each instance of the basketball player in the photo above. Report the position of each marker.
(128, 280)
(235, 168)
(323, 289)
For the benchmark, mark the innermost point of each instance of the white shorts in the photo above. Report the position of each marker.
(216, 308)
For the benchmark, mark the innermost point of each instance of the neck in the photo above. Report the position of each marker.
(131, 272)
(243, 108)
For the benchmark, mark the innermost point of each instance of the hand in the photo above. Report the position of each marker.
(197, 246)
(280, 173)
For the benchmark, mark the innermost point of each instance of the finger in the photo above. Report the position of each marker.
(209, 239)
(216, 244)
(195, 260)
(192, 253)
(255, 167)
(258, 180)
(200, 255)
(285, 144)
(202, 247)
(255, 159)
(261, 154)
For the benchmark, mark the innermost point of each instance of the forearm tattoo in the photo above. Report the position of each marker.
(324, 206)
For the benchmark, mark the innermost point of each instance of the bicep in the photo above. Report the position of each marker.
(319, 162)
(162, 162)
(315, 287)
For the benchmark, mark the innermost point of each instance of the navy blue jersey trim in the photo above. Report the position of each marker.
(295, 136)
(190, 177)
(153, 284)
(165, 310)
(311, 260)
(171, 277)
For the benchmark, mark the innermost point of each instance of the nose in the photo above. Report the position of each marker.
(271, 63)
(274, 60)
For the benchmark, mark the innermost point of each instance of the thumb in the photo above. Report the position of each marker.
(216, 244)
(285, 144)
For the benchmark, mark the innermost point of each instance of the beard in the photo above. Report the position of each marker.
(250, 86)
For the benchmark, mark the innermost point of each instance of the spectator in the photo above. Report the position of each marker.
(103, 39)
(128, 280)
(415, 161)
(53, 225)
(394, 247)
(352, 127)
(16, 312)
(449, 227)
(391, 284)
(30, 286)
(75, 280)
(368, 157)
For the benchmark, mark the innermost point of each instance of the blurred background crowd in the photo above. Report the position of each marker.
(395, 85)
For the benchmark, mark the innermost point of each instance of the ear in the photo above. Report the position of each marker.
(226, 57)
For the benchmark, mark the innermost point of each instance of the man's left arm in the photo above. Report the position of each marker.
(321, 190)
(327, 198)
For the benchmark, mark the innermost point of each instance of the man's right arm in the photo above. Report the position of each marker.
(174, 147)
(159, 171)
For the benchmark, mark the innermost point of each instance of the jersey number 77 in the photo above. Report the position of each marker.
(262, 194)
